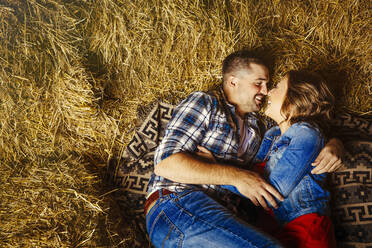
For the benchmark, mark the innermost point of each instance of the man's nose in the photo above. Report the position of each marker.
(263, 89)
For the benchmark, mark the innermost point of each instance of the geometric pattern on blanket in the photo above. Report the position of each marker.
(350, 186)
(130, 174)
(351, 196)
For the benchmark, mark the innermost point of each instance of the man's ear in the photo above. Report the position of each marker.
(232, 81)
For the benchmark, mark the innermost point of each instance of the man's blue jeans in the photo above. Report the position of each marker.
(193, 219)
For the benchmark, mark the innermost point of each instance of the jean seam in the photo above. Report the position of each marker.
(168, 235)
(172, 225)
(153, 208)
(214, 226)
(309, 188)
(153, 224)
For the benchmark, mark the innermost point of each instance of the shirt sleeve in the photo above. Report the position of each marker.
(187, 126)
(295, 163)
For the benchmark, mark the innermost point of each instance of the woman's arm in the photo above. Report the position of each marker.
(244, 182)
(329, 158)
(296, 160)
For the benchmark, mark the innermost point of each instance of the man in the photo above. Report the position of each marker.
(186, 206)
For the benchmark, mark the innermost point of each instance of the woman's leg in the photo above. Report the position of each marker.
(193, 219)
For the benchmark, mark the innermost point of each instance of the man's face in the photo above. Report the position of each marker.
(276, 98)
(249, 88)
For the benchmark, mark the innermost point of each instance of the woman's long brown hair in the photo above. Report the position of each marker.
(308, 99)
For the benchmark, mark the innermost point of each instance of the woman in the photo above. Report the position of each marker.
(301, 104)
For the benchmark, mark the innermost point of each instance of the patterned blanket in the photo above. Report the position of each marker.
(350, 186)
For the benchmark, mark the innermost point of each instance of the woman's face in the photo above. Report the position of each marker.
(275, 101)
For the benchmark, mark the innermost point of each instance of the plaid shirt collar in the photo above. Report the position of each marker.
(228, 108)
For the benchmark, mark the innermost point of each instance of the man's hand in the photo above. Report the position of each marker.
(250, 184)
(329, 158)
(256, 189)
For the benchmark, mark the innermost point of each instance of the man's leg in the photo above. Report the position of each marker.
(193, 219)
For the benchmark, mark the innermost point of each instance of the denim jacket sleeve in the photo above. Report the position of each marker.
(266, 144)
(304, 145)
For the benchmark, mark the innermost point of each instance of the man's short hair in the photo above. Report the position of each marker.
(240, 60)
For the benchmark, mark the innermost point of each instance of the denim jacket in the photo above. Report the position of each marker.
(288, 169)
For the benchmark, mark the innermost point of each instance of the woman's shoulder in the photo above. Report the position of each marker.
(304, 129)
(272, 132)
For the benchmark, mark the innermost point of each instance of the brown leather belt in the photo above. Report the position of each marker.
(150, 202)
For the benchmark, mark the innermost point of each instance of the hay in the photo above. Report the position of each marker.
(74, 73)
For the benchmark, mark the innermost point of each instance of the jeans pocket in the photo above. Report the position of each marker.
(164, 233)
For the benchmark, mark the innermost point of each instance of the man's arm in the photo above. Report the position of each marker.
(329, 158)
(184, 133)
(192, 169)
(187, 168)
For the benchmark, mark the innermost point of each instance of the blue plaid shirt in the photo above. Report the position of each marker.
(200, 120)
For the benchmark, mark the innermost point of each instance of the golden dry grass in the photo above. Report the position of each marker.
(73, 74)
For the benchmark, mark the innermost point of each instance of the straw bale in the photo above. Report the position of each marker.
(156, 48)
(73, 75)
(49, 120)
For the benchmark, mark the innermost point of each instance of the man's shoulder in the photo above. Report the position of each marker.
(200, 99)
(203, 94)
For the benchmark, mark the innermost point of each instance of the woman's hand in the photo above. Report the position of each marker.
(329, 158)
(205, 153)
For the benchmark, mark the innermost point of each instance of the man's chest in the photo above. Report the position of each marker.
(221, 138)
(225, 140)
